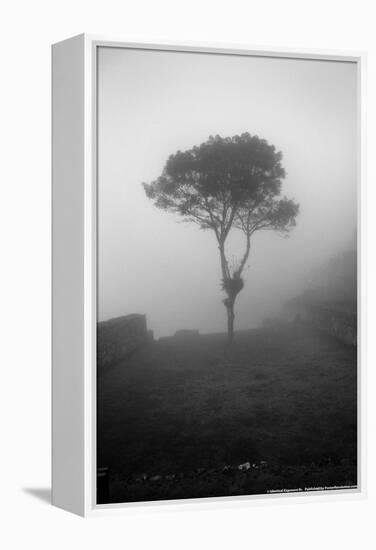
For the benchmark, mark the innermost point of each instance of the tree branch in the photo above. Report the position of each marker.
(245, 256)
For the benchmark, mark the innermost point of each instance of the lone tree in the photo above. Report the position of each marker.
(224, 184)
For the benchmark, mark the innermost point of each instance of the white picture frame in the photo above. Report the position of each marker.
(74, 292)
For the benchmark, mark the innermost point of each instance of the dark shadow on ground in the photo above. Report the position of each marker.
(41, 493)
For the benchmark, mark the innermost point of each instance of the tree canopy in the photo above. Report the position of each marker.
(224, 183)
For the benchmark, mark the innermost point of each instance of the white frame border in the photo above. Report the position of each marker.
(92, 43)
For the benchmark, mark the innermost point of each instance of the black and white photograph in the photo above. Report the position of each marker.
(227, 230)
(188, 269)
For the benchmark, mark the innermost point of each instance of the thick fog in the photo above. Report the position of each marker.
(150, 104)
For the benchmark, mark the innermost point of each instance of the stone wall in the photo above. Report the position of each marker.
(331, 304)
(341, 324)
(187, 335)
(118, 338)
(337, 319)
(182, 336)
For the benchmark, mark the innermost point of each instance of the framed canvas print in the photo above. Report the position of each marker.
(206, 274)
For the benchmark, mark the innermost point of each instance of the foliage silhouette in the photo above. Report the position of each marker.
(226, 184)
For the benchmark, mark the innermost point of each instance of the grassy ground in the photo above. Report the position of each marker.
(283, 399)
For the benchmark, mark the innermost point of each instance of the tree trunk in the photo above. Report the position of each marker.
(230, 322)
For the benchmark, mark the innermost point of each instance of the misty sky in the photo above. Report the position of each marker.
(150, 104)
